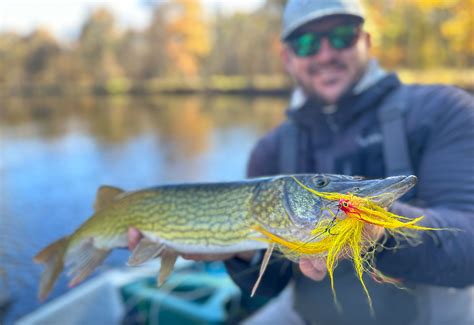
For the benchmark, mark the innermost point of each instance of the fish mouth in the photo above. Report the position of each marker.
(386, 191)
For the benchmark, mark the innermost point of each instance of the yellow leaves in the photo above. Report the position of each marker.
(427, 6)
(460, 28)
(187, 41)
(422, 33)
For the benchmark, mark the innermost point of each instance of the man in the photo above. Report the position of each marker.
(334, 117)
(334, 126)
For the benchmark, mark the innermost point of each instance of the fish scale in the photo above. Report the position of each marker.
(183, 212)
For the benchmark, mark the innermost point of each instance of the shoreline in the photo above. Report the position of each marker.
(278, 85)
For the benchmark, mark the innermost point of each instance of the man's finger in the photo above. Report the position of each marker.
(134, 237)
(372, 232)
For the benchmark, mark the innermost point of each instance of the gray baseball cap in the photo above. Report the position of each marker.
(299, 12)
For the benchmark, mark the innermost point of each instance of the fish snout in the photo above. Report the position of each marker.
(387, 190)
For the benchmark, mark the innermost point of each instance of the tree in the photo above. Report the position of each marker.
(422, 33)
(177, 39)
(247, 43)
(96, 45)
(131, 53)
(188, 39)
(12, 56)
(42, 52)
(156, 60)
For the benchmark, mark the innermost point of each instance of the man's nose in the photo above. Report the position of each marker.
(326, 52)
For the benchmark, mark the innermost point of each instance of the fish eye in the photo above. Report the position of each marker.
(344, 204)
(356, 189)
(321, 181)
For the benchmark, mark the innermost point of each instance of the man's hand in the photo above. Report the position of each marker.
(315, 268)
(134, 237)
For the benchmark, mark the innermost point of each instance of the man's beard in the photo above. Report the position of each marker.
(315, 69)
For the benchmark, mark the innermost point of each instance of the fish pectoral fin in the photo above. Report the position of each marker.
(105, 195)
(263, 267)
(168, 259)
(83, 260)
(145, 251)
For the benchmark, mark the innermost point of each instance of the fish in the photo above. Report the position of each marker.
(203, 218)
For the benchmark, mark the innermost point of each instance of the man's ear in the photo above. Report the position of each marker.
(368, 40)
(285, 55)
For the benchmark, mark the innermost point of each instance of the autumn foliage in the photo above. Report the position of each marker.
(185, 44)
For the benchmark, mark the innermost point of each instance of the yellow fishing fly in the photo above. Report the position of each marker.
(345, 236)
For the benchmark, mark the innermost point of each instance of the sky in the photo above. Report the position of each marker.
(64, 17)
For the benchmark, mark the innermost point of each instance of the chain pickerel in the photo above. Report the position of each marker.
(207, 218)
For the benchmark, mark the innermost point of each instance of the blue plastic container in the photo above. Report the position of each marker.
(185, 298)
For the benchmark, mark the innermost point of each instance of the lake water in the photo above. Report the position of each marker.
(56, 152)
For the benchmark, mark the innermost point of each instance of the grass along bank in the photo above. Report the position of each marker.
(276, 85)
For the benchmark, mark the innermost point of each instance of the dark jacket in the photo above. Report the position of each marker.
(440, 131)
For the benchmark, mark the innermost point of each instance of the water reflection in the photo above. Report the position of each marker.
(55, 152)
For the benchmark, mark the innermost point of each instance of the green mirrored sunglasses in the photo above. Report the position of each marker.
(340, 37)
